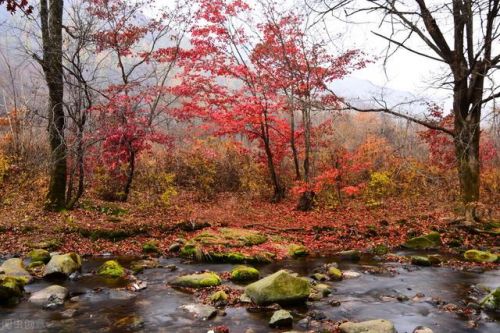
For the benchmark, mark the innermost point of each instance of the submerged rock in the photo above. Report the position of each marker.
(63, 264)
(244, 273)
(50, 296)
(370, 326)
(140, 265)
(202, 280)
(429, 241)
(492, 301)
(480, 256)
(112, 269)
(14, 268)
(350, 275)
(422, 329)
(281, 318)
(280, 287)
(39, 255)
(201, 311)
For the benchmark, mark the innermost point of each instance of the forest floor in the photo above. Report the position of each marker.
(98, 227)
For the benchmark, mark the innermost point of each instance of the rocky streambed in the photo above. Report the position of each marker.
(302, 294)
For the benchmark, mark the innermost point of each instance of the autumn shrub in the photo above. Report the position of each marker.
(490, 180)
(4, 167)
(379, 186)
(108, 185)
(170, 190)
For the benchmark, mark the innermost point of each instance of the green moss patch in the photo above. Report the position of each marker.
(112, 269)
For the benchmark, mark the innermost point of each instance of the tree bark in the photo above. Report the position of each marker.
(51, 23)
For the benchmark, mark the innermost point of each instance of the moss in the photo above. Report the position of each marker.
(296, 250)
(39, 255)
(244, 273)
(150, 247)
(429, 241)
(480, 256)
(49, 244)
(219, 296)
(202, 280)
(380, 249)
(334, 273)
(192, 251)
(112, 269)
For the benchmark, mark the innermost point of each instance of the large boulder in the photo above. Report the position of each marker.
(63, 264)
(429, 241)
(111, 269)
(280, 287)
(201, 280)
(480, 256)
(15, 268)
(50, 295)
(370, 326)
(244, 273)
(39, 255)
(492, 301)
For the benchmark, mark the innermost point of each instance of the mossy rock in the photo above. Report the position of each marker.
(228, 257)
(63, 264)
(334, 273)
(112, 269)
(191, 250)
(380, 250)
(35, 264)
(39, 255)
(244, 273)
(429, 241)
(201, 280)
(14, 268)
(420, 261)
(230, 237)
(140, 265)
(150, 247)
(322, 289)
(280, 287)
(11, 288)
(492, 301)
(296, 250)
(480, 256)
(49, 244)
(351, 255)
(219, 296)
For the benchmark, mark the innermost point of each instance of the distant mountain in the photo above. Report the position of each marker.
(363, 93)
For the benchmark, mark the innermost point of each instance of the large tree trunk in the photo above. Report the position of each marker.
(51, 23)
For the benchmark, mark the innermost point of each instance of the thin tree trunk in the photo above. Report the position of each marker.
(51, 22)
(130, 176)
(294, 147)
(306, 200)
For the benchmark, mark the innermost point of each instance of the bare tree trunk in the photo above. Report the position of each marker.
(130, 176)
(51, 23)
(294, 147)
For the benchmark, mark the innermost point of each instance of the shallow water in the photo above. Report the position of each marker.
(102, 303)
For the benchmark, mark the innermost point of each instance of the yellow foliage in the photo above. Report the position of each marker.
(379, 186)
(170, 190)
(4, 167)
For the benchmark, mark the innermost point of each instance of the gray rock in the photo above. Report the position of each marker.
(201, 311)
(281, 318)
(14, 267)
(63, 264)
(422, 329)
(370, 326)
(350, 275)
(49, 297)
(280, 287)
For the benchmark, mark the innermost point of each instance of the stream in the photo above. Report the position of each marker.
(102, 303)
